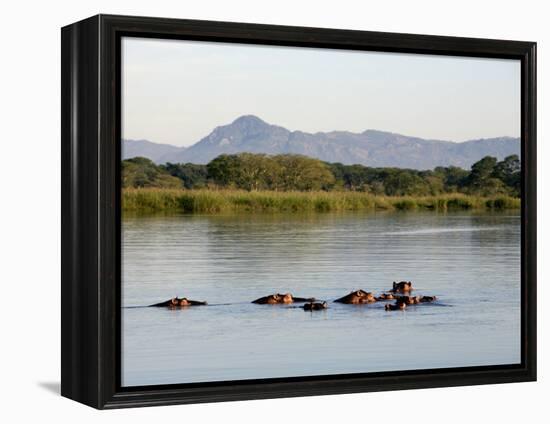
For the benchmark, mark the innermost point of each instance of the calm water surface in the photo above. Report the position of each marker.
(470, 261)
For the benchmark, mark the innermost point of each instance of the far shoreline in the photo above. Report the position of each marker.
(208, 201)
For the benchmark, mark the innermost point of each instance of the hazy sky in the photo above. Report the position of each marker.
(177, 92)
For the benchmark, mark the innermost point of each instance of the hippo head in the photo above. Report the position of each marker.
(402, 286)
(174, 301)
(286, 298)
(273, 298)
(183, 302)
(315, 306)
(399, 305)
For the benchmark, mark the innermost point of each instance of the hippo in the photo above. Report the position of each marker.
(386, 296)
(357, 297)
(315, 306)
(426, 299)
(399, 306)
(409, 300)
(278, 298)
(401, 287)
(176, 302)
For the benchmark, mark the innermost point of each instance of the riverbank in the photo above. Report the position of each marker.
(216, 201)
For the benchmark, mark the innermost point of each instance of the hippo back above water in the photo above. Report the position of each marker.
(315, 306)
(415, 300)
(386, 296)
(357, 297)
(179, 302)
(278, 299)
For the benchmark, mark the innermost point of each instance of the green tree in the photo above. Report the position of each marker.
(303, 173)
(224, 169)
(377, 188)
(141, 172)
(487, 177)
(191, 175)
(491, 187)
(256, 172)
(482, 169)
(454, 178)
(436, 184)
(403, 183)
(246, 171)
(509, 172)
(251, 171)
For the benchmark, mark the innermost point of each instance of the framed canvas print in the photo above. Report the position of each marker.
(254, 211)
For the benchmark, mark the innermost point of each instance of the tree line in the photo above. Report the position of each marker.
(252, 172)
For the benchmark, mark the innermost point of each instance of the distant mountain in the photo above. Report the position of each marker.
(371, 148)
(148, 149)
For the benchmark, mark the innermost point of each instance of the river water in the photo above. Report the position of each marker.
(470, 261)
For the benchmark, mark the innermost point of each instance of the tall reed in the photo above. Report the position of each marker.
(216, 201)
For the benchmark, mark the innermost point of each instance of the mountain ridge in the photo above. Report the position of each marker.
(375, 148)
(148, 149)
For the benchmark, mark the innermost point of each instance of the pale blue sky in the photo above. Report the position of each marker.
(177, 92)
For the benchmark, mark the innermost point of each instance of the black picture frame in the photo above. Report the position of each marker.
(91, 264)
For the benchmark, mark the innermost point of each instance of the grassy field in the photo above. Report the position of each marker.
(216, 201)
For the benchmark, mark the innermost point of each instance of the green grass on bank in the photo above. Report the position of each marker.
(216, 201)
